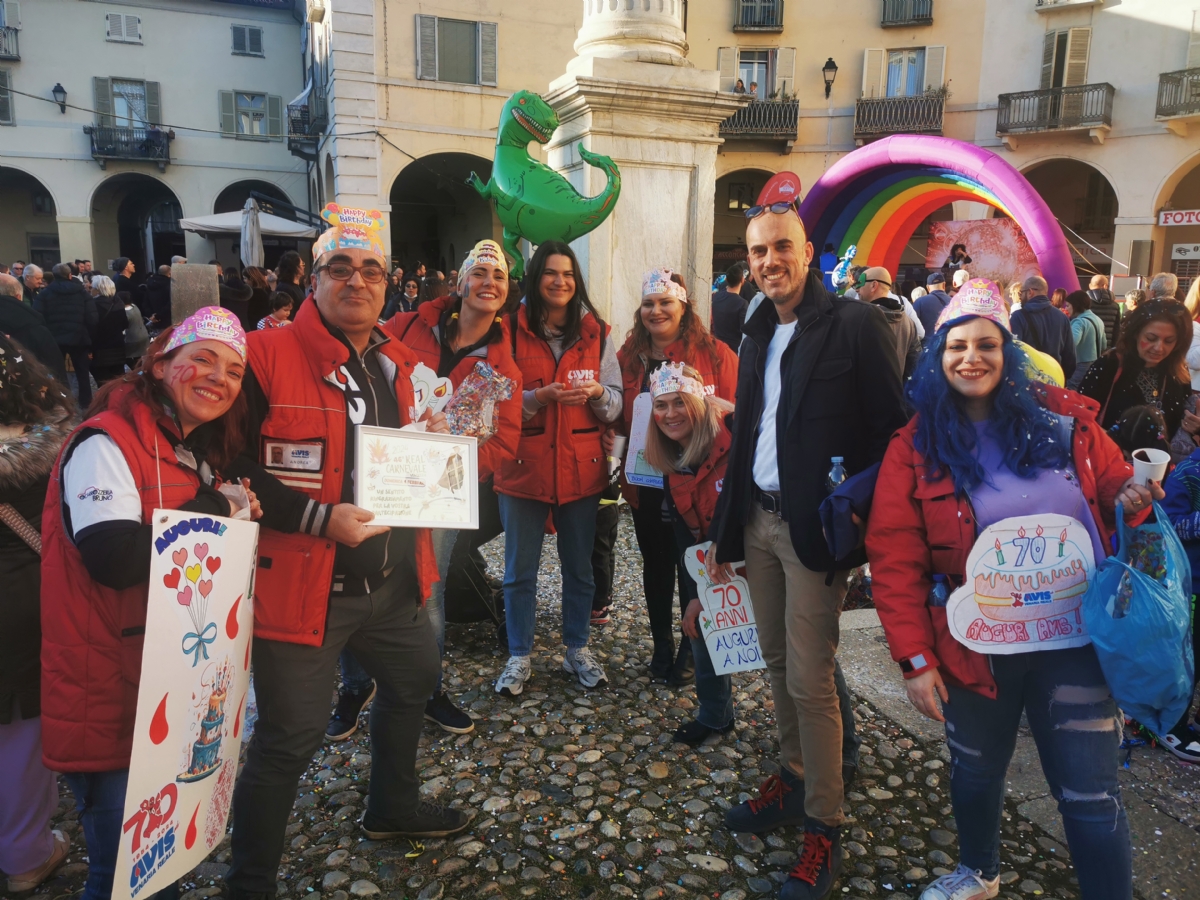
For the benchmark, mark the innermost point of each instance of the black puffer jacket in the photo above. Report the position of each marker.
(70, 312)
(26, 326)
(25, 465)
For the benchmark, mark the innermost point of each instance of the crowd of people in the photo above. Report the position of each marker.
(964, 396)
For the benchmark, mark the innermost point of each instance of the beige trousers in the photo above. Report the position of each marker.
(797, 616)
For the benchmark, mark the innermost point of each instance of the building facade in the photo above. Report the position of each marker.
(119, 118)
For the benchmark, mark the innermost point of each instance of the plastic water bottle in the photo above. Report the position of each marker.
(837, 474)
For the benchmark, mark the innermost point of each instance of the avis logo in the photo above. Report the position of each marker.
(576, 376)
(153, 840)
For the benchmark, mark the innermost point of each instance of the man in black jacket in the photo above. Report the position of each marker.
(1105, 306)
(27, 327)
(71, 316)
(931, 305)
(729, 308)
(1040, 325)
(156, 298)
(818, 378)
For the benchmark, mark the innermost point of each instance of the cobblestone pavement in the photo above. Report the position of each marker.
(583, 794)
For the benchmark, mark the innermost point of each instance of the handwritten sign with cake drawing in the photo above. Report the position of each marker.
(192, 700)
(726, 617)
(1026, 577)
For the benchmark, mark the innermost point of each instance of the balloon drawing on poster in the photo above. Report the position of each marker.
(1026, 577)
(726, 617)
(192, 698)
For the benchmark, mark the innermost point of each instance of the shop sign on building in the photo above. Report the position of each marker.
(1179, 217)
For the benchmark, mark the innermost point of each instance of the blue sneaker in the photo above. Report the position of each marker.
(780, 802)
(820, 862)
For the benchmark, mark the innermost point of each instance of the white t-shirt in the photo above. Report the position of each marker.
(766, 464)
(98, 485)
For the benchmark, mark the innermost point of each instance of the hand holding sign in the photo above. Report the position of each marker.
(726, 618)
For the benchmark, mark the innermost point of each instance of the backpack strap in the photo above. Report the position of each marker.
(20, 525)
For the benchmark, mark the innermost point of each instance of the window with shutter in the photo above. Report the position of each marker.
(228, 113)
(115, 27)
(274, 117)
(6, 98)
(10, 14)
(457, 57)
(1193, 56)
(427, 43)
(874, 66)
(1048, 45)
(133, 29)
(935, 67)
(727, 64)
(785, 72)
(488, 53)
(239, 38)
(102, 101)
(254, 41)
(1079, 42)
(153, 103)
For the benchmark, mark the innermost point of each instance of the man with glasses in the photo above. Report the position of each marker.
(818, 378)
(327, 578)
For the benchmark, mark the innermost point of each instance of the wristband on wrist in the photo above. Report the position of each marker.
(914, 663)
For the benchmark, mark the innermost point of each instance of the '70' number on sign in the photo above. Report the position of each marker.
(730, 594)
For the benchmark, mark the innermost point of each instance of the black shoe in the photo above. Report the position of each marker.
(683, 670)
(694, 732)
(447, 716)
(429, 821)
(780, 801)
(820, 862)
(345, 716)
(660, 662)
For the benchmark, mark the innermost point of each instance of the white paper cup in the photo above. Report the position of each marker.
(1149, 465)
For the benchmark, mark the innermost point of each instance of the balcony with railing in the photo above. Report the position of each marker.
(880, 116)
(758, 15)
(307, 121)
(123, 142)
(9, 46)
(1044, 6)
(897, 13)
(770, 120)
(1084, 107)
(1178, 99)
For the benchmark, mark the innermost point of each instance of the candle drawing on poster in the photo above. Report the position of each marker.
(637, 470)
(1026, 577)
(192, 699)
(726, 617)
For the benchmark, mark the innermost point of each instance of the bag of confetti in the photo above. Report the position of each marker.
(472, 409)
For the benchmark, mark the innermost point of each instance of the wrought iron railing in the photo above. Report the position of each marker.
(306, 123)
(907, 12)
(764, 118)
(758, 15)
(1053, 109)
(921, 114)
(1178, 94)
(9, 47)
(121, 142)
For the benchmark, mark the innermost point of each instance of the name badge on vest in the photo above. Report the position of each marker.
(295, 463)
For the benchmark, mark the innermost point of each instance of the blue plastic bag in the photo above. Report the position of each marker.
(1138, 613)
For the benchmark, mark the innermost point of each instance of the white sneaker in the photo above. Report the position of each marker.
(962, 884)
(580, 663)
(512, 680)
(1186, 748)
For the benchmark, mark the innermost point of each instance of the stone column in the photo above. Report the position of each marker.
(631, 94)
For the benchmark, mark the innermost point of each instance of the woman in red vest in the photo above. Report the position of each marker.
(453, 335)
(156, 438)
(572, 390)
(666, 330)
(688, 441)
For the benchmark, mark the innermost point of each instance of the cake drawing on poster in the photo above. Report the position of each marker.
(1026, 578)
(204, 755)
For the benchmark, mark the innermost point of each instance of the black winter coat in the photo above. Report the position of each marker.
(1109, 312)
(728, 316)
(70, 312)
(1045, 328)
(154, 299)
(27, 326)
(841, 396)
(108, 340)
(25, 467)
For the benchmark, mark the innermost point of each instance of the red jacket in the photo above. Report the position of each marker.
(720, 380)
(919, 528)
(415, 331)
(695, 496)
(297, 368)
(91, 634)
(559, 458)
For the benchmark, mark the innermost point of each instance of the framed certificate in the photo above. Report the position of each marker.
(415, 479)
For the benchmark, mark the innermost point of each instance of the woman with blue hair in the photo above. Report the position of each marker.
(988, 444)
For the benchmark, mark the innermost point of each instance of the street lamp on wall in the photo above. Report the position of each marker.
(60, 97)
(829, 72)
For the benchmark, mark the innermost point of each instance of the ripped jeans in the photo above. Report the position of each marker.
(1074, 721)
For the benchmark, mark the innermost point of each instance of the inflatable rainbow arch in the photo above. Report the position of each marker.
(877, 196)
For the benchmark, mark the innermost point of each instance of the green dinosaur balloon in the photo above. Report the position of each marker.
(531, 199)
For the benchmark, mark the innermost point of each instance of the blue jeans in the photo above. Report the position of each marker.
(100, 799)
(524, 527)
(714, 692)
(1074, 721)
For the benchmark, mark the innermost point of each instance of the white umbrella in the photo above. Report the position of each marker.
(252, 246)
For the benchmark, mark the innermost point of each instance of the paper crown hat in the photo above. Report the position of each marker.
(485, 253)
(658, 281)
(350, 229)
(977, 298)
(670, 378)
(210, 323)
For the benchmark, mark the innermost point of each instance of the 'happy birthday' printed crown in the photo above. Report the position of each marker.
(670, 378)
(350, 229)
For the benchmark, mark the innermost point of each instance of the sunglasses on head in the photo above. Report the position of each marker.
(876, 281)
(781, 207)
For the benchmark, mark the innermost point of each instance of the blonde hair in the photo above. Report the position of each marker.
(707, 416)
(1192, 300)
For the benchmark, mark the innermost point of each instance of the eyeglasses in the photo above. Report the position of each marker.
(886, 284)
(345, 271)
(783, 206)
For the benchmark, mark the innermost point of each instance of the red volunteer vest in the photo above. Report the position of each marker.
(92, 634)
(695, 496)
(415, 331)
(298, 370)
(559, 458)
